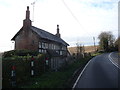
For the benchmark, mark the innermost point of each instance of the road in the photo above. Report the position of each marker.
(115, 59)
(100, 72)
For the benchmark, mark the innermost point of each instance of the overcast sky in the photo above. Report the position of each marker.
(79, 20)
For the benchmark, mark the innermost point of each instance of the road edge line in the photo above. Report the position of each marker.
(114, 63)
(80, 75)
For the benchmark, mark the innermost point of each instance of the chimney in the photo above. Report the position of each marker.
(58, 34)
(27, 21)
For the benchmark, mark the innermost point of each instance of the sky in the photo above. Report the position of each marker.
(79, 20)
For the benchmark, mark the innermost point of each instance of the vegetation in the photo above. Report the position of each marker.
(106, 42)
(43, 78)
(79, 48)
(20, 53)
(117, 44)
(59, 79)
(22, 64)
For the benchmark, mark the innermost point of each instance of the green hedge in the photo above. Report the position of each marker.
(20, 53)
(60, 79)
(22, 64)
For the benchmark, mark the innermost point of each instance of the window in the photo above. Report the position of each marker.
(40, 50)
(57, 52)
(55, 47)
(44, 51)
(58, 47)
(63, 47)
(46, 45)
(50, 46)
(43, 45)
(61, 53)
(40, 46)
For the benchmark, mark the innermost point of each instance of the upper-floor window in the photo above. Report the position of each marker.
(49, 46)
(46, 45)
(63, 47)
(54, 46)
(58, 47)
(61, 53)
(43, 45)
(40, 46)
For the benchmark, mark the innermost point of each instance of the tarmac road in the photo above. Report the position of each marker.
(100, 72)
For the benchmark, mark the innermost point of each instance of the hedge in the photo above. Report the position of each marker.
(22, 64)
(20, 53)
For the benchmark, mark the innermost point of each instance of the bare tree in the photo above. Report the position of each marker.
(80, 50)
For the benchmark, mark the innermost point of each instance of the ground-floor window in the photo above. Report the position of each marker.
(42, 51)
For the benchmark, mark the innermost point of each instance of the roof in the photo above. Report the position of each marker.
(46, 35)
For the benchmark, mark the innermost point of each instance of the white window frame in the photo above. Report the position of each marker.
(40, 46)
(40, 50)
(61, 53)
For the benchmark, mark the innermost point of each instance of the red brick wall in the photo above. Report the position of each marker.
(26, 40)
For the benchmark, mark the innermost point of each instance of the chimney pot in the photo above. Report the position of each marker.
(27, 21)
(58, 34)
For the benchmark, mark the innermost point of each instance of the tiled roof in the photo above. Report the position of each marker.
(46, 35)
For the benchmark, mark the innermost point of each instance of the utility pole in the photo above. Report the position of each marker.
(94, 43)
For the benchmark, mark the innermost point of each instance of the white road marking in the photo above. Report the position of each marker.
(111, 59)
(80, 75)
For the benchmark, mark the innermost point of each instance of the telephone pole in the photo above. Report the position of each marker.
(94, 43)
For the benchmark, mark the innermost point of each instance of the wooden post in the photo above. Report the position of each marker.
(46, 61)
(13, 76)
(32, 66)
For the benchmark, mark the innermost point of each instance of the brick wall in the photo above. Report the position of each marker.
(26, 39)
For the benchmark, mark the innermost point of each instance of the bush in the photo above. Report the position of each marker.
(20, 53)
(23, 68)
(60, 79)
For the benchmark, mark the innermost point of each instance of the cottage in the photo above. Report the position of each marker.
(32, 38)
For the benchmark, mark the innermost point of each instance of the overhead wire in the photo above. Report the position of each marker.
(72, 13)
(74, 16)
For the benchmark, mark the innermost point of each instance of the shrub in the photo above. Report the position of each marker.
(20, 53)
(23, 68)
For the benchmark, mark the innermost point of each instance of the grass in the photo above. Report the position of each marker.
(59, 79)
(95, 54)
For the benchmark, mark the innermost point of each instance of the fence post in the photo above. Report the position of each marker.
(46, 60)
(32, 66)
(13, 76)
(46, 63)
